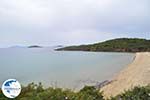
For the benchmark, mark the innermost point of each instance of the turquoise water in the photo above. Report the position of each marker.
(60, 68)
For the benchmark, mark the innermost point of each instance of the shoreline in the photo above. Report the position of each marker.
(135, 74)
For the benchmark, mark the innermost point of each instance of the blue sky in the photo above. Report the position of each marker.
(69, 22)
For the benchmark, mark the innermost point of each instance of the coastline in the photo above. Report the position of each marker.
(135, 74)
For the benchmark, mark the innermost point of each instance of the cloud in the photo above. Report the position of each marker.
(52, 20)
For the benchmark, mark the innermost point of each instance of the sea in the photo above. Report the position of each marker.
(64, 69)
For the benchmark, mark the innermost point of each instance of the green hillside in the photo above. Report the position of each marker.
(115, 45)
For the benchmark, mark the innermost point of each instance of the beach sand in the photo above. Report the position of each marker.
(136, 74)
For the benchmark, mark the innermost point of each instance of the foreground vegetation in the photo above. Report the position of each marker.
(115, 45)
(37, 92)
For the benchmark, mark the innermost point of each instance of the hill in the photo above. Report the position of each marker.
(34, 46)
(114, 45)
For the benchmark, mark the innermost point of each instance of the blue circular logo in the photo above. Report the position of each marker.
(11, 88)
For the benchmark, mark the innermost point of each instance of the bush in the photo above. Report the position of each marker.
(37, 92)
(138, 93)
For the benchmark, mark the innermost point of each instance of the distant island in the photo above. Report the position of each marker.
(17, 46)
(114, 45)
(34, 46)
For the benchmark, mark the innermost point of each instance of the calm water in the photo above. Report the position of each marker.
(60, 68)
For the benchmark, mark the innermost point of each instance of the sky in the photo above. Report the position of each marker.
(70, 22)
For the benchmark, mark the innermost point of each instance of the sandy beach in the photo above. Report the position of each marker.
(135, 74)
